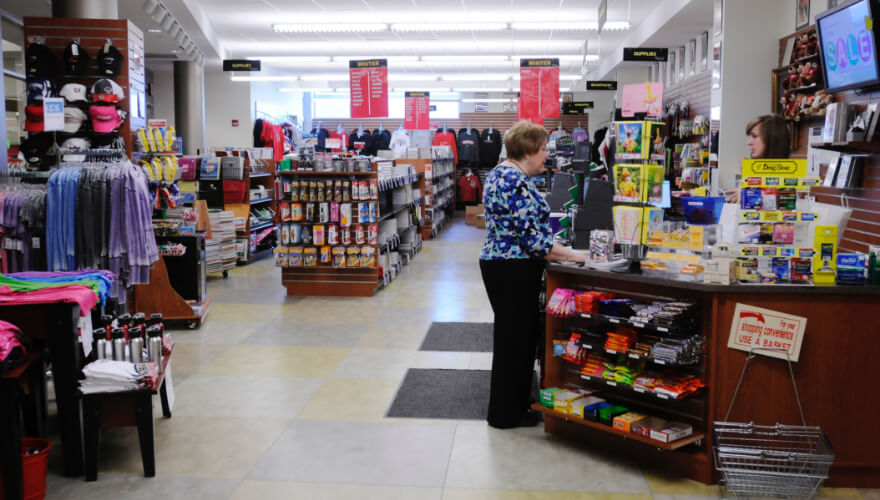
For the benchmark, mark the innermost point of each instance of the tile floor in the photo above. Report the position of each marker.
(282, 397)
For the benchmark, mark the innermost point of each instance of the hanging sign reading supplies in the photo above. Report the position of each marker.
(241, 65)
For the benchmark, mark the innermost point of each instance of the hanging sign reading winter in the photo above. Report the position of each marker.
(758, 327)
(417, 107)
(368, 82)
(539, 89)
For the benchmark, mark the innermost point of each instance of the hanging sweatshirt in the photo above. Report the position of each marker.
(447, 138)
(362, 143)
(400, 142)
(470, 188)
(322, 136)
(469, 146)
(490, 147)
(382, 139)
(580, 135)
(343, 140)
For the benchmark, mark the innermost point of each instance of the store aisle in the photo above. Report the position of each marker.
(283, 397)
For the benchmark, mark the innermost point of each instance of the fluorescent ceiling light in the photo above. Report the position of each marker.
(570, 26)
(465, 58)
(284, 59)
(484, 89)
(154, 30)
(546, 26)
(432, 26)
(391, 59)
(489, 100)
(617, 26)
(328, 27)
(265, 78)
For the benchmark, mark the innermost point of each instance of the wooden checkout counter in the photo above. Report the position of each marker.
(836, 374)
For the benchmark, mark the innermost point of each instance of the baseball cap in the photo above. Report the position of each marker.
(109, 60)
(105, 118)
(75, 144)
(34, 118)
(73, 92)
(37, 90)
(40, 61)
(76, 59)
(73, 119)
(106, 90)
(37, 150)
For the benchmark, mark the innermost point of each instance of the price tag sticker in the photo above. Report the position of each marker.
(612, 320)
(612, 384)
(660, 361)
(638, 389)
(662, 329)
(662, 396)
(634, 356)
(609, 351)
(638, 325)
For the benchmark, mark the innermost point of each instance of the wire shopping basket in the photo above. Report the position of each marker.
(786, 461)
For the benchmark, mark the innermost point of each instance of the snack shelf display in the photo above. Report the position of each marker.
(342, 232)
(567, 417)
(631, 365)
(437, 187)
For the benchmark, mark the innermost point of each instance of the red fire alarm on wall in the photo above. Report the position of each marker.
(234, 123)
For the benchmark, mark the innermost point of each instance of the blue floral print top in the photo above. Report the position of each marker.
(516, 217)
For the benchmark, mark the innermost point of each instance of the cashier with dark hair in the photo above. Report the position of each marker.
(767, 136)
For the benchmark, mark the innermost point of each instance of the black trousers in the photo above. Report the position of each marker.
(513, 287)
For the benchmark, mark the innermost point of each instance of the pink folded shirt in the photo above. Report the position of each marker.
(82, 295)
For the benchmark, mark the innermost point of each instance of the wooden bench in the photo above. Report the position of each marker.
(123, 409)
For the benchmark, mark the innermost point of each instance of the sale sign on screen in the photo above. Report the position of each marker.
(538, 89)
(368, 82)
(417, 107)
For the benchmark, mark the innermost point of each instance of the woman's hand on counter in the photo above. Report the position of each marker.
(561, 253)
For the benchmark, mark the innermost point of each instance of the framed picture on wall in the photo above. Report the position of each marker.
(802, 14)
(692, 62)
(681, 64)
(704, 51)
(716, 65)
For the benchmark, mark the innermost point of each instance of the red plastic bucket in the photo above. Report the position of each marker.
(34, 463)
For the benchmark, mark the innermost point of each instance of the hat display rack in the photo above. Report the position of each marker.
(97, 66)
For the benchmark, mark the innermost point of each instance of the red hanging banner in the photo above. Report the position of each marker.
(539, 89)
(417, 110)
(368, 84)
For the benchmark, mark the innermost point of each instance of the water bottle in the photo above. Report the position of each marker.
(139, 319)
(137, 349)
(119, 344)
(124, 322)
(101, 348)
(155, 345)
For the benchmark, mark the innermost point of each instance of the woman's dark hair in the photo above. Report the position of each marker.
(774, 132)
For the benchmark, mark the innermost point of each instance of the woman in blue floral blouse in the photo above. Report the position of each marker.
(518, 243)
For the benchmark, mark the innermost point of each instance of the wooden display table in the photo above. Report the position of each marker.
(834, 373)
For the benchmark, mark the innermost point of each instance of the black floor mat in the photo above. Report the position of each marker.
(459, 337)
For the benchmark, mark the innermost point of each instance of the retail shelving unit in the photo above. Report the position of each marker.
(257, 173)
(836, 349)
(437, 185)
(323, 279)
(564, 374)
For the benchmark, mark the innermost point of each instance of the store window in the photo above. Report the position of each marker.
(338, 106)
(13, 77)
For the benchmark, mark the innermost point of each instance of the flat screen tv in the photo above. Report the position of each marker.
(848, 46)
